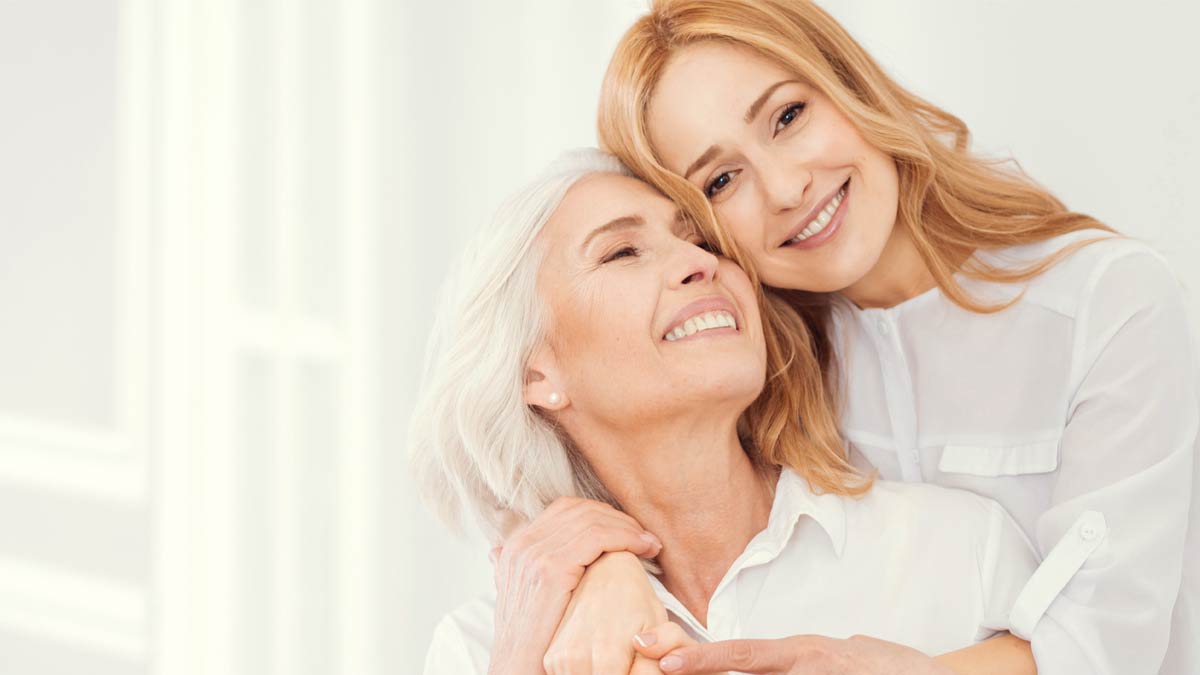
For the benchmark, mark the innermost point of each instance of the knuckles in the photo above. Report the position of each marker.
(742, 654)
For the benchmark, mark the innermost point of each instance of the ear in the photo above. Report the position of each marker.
(543, 384)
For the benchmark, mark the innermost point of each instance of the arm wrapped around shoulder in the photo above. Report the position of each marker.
(1113, 536)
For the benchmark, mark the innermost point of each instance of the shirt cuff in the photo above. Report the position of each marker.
(1056, 571)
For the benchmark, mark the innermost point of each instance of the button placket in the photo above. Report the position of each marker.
(898, 390)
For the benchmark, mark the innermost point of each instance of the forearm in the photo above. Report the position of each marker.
(1003, 655)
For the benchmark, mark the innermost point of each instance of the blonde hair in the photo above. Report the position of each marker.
(952, 201)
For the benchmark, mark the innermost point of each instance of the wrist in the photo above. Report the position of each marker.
(617, 561)
(515, 664)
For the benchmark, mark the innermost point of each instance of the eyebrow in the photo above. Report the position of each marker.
(751, 113)
(621, 223)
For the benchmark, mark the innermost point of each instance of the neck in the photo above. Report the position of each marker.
(688, 481)
(900, 274)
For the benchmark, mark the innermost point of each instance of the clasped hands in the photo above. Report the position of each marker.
(551, 618)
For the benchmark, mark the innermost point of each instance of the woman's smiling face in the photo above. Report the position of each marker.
(642, 321)
(788, 175)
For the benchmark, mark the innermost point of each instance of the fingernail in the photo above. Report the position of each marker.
(670, 663)
(645, 639)
(651, 539)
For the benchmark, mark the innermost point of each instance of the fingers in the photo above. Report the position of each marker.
(644, 666)
(578, 535)
(747, 656)
(554, 551)
(564, 521)
(657, 642)
(598, 539)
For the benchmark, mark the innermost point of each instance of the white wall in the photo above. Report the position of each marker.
(221, 229)
(1098, 101)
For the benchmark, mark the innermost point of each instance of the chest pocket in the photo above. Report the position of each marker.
(1000, 459)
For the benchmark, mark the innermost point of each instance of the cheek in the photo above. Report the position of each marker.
(741, 217)
(598, 331)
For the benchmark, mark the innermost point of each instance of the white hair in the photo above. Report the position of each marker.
(475, 445)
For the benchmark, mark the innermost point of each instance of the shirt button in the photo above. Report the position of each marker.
(1088, 532)
(884, 328)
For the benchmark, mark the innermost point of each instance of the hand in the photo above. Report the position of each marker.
(657, 642)
(613, 601)
(541, 565)
(802, 655)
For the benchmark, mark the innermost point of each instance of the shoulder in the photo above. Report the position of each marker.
(462, 640)
(1096, 267)
(951, 512)
(951, 519)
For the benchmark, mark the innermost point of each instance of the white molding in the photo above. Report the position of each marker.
(107, 461)
(357, 529)
(67, 607)
(90, 462)
(288, 651)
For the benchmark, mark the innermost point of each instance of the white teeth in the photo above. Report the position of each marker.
(817, 224)
(706, 321)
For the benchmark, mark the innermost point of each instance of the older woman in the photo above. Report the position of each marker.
(590, 347)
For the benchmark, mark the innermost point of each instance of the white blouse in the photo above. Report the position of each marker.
(1076, 409)
(955, 563)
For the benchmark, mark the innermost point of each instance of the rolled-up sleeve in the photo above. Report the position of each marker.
(1112, 538)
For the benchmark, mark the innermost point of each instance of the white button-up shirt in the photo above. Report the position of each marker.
(1076, 409)
(920, 565)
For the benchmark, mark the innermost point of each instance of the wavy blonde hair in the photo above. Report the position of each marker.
(952, 201)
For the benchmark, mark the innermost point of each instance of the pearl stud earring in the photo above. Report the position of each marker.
(554, 398)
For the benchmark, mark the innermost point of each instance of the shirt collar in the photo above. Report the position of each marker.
(793, 499)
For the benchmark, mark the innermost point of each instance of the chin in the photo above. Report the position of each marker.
(819, 281)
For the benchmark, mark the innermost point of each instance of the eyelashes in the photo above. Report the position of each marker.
(718, 183)
(623, 252)
(789, 115)
(630, 251)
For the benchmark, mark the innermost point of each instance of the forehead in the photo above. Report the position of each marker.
(599, 198)
(706, 86)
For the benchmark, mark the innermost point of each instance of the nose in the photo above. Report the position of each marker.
(783, 183)
(693, 265)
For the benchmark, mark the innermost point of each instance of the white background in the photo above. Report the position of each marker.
(221, 227)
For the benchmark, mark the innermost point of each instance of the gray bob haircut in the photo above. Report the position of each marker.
(476, 447)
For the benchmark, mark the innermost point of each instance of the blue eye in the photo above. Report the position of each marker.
(789, 115)
(717, 184)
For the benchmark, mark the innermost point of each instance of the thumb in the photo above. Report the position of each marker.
(644, 666)
(748, 656)
(656, 642)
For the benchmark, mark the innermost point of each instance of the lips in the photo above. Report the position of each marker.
(819, 218)
(706, 314)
